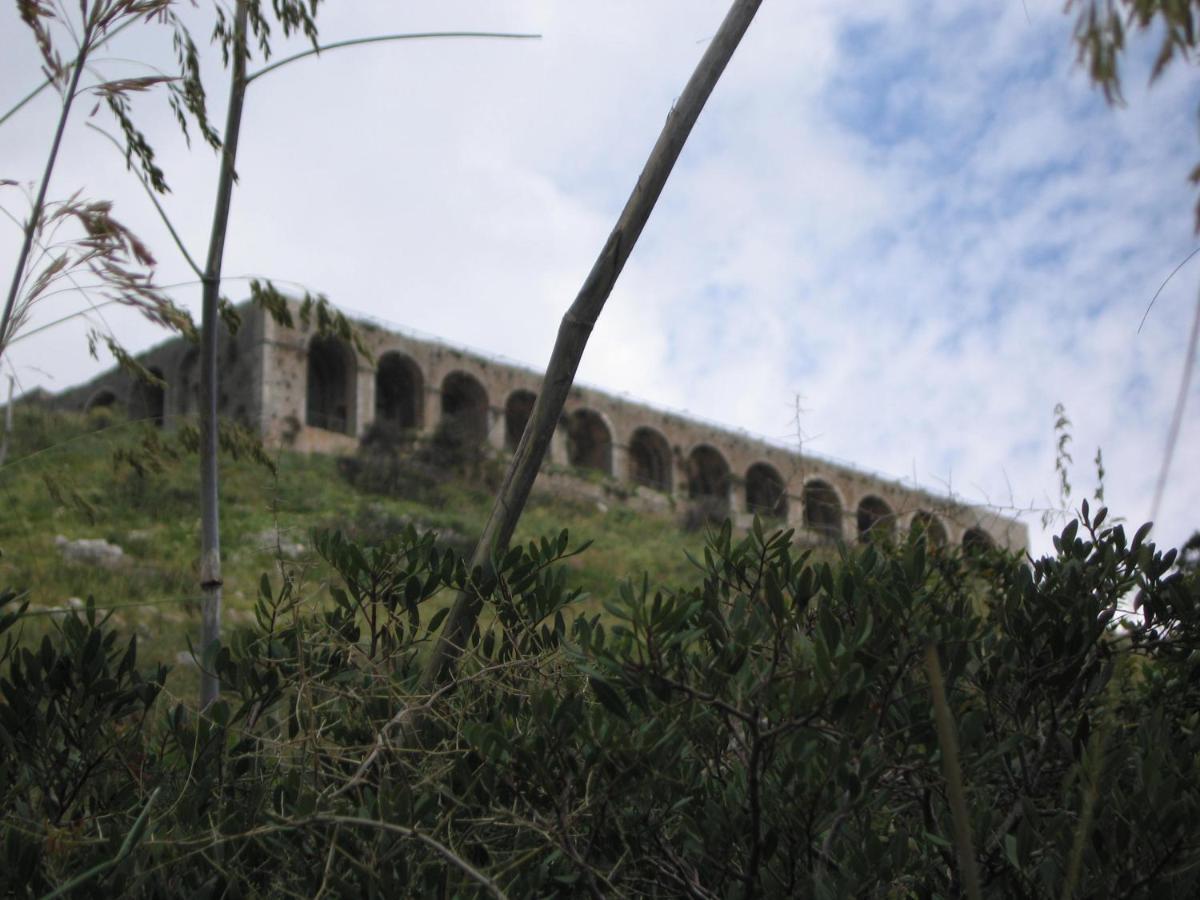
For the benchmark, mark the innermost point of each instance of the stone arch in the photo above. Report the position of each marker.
(331, 385)
(822, 510)
(102, 399)
(148, 400)
(708, 477)
(589, 441)
(517, 410)
(976, 540)
(464, 410)
(650, 460)
(931, 525)
(187, 384)
(399, 391)
(875, 519)
(766, 491)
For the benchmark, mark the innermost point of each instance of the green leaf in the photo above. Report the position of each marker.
(436, 620)
(1139, 536)
(609, 698)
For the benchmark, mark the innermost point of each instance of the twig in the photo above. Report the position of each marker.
(378, 39)
(8, 420)
(127, 845)
(437, 846)
(1185, 380)
(1150, 305)
(39, 204)
(162, 214)
(49, 81)
(408, 714)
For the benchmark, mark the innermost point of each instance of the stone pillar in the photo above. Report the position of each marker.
(795, 508)
(364, 396)
(620, 463)
(850, 516)
(679, 478)
(737, 500)
(558, 447)
(433, 409)
(495, 435)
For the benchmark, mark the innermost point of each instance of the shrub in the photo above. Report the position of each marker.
(386, 464)
(399, 463)
(768, 730)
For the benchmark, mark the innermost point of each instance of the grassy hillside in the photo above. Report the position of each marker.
(136, 487)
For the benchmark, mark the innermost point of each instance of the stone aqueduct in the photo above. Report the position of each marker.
(316, 394)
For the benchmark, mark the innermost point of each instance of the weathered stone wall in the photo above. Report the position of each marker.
(285, 391)
(177, 362)
(321, 397)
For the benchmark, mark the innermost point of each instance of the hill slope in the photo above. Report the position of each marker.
(135, 486)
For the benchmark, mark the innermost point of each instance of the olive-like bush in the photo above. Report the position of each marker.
(771, 730)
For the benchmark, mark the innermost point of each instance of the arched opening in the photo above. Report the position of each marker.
(708, 478)
(931, 526)
(517, 411)
(875, 519)
(976, 540)
(589, 442)
(102, 399)
(331, 370)
(464, 411)
(650, 460)
(187, 384)
(148, 399)
(399, 392)
(766, 493)
(822, 510)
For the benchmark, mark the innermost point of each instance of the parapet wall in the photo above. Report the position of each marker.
(317, 395)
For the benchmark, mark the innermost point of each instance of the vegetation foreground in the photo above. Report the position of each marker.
(893, 722)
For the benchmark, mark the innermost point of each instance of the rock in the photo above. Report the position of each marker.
(139, 541)
(448, 538)
(272, 541)
(90, 551)
(184, 658)
(75, 603)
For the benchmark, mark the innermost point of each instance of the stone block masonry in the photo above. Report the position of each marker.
(317, 395)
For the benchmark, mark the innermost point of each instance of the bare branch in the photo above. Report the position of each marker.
(437, 846)
(378, 39)
(576, 328)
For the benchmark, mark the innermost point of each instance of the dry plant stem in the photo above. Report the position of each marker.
(135, 833)
(385, 38)
(39, 204)
(488, 885)
(574, 331)
(25, 100)
(32, 95)
(409, 713)
(162, 213)
(210, 531)
(1189, 362)
(948, 742)
(8, 417)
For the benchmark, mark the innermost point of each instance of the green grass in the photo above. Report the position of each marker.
(66, 475)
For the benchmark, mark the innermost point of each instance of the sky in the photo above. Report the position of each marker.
(900, 233)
